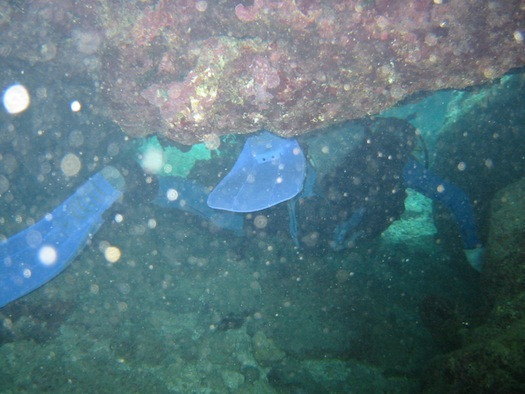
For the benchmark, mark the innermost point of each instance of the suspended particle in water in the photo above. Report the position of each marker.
(260, 221)
(201, 5)
(47, 255)
(33, 238)
(153, 160)
(103, 245)
(255, 285)
(212, 141)
(70, 164)
(519, 36)
(462, 166)
(112, 254)
(113, 149)
(75, 106)
(172, 194)
(16, 99)
(124, 288)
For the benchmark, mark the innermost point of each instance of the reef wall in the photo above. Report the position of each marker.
(492, 358)
(195, 70)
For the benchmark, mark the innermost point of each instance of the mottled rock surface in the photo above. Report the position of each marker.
(504, 274)
(492, 358)
(192, 70)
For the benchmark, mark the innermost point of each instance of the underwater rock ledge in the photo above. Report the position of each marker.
(195, 70)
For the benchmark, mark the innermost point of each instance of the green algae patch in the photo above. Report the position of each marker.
(169, 161)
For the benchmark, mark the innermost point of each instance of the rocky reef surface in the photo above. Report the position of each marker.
(194, 70)
(492, 358)
(480, 148)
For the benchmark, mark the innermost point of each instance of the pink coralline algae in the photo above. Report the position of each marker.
(248, 13)
(264, 77)
(187, 69)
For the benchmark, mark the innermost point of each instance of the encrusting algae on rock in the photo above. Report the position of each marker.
(184, 68)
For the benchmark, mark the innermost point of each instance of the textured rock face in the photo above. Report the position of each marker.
(188, 69)
(291, 66)
(504, 275)
(492, 357)
(265, 350)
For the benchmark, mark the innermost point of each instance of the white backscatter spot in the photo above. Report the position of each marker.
(153, 160)
(112, 254)
(172, 194)
(16, 99)
(75, 106)
(47, 255)
(152, 223)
